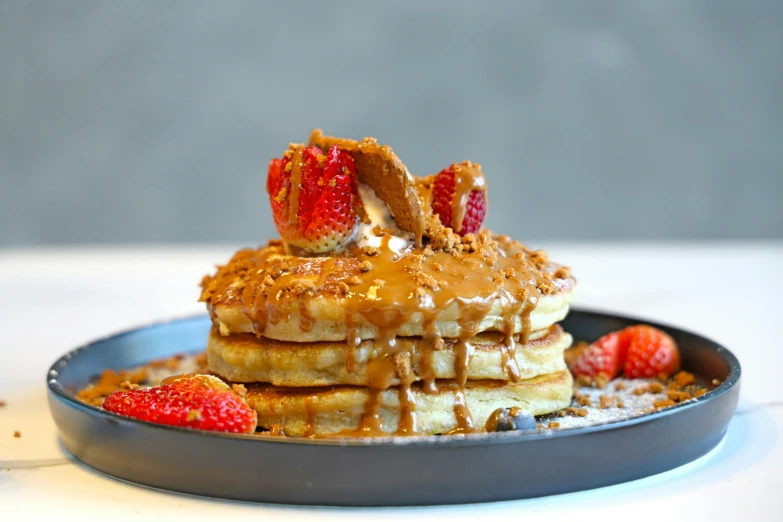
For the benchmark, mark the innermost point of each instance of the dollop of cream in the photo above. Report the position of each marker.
(379, 214)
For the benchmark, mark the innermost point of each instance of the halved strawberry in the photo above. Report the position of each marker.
(201, 402)
(604, 356)
(445, 185)
(639, 351)
(322, 214)
(650, 353)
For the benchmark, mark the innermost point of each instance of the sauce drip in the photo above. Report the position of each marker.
(370, 424)
(296, 183)
(407, 423)
(310, 423)
(494, 418)
(462, 415)
(430, 342)
(467, 178)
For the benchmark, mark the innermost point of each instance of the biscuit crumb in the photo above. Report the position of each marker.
(601, 380)
(620, 404)
(17, 434)
(552, 425)
(699, 393)
(584, 380)
(715, 382)
(127, 385)
(354, 280)
(561, 413)
(607, 401)
(539, 426)
(678, 396)
(365, 266)
(655, 387)
(663, 403)
(684, 378)
(663, 377)
(437, 267)
(673, 386)
(370, 251)
(108, 383)
(620, 386)
(640, 390)
(239, 389)
(583, 400)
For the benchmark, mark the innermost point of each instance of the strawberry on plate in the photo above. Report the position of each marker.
(314, 197)
(650, 353)
(455, 182)
(637, 351)
(202, 402)
(605, 356)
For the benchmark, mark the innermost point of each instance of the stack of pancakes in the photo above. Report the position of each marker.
(376, 340)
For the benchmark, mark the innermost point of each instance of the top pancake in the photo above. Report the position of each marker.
(454, 287)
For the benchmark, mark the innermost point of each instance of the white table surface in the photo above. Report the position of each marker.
(52, 300)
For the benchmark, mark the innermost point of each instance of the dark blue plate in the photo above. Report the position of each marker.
(383, 472)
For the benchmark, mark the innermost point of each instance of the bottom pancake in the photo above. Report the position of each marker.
(359, 411)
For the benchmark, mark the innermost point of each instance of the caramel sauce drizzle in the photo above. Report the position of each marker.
(306, 319)
(400, 285)
(407, 423)
(370, 424)
(430, 342)
(492, 421)
(310, 423)
(296, 183)
(467, 178)
(462, 415)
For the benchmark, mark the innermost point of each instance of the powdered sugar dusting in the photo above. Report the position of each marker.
(623, 399)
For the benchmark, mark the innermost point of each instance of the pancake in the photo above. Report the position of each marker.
(245, 358)
(359, 411)
(482, 283)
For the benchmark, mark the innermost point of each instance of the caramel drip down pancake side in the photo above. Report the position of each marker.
(243, 358)
(355, 410)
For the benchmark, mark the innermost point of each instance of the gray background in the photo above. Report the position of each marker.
(145, 121)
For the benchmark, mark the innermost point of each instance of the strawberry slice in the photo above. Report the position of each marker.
(650, 353)
(202, 402)
(466, 177)
(604, 356)
(320, 213)
(639, 351)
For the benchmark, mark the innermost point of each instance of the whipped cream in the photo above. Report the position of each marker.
(379, 214)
